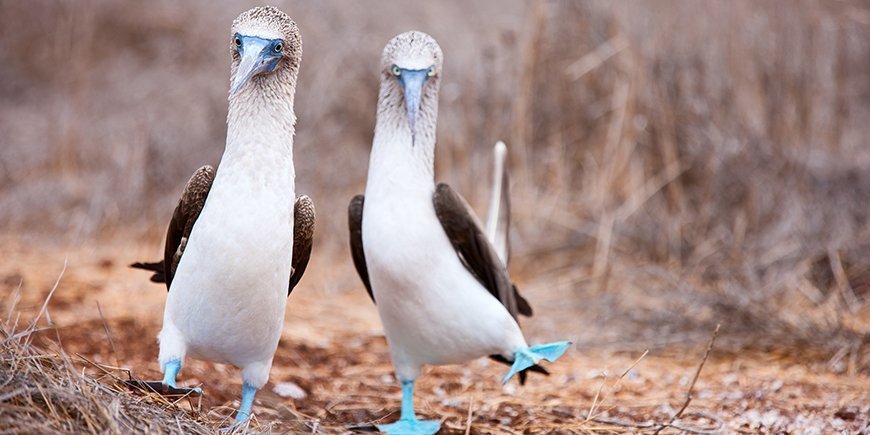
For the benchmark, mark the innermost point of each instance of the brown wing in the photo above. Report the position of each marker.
(475, 249)
(186, 212)
(354, 221)
(303, 238)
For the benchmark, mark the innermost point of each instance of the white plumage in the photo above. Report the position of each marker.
(227, 300)
(433, 310)
(228, 295)
(439, 281)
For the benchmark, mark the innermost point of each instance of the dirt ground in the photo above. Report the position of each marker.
(332, 367)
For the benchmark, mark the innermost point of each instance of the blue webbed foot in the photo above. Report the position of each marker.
(411, 427)
(525, 358)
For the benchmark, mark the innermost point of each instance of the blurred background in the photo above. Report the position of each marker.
(674, 164)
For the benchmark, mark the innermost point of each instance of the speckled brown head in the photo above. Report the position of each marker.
(265, 44)
(410, 77)
(413, 50)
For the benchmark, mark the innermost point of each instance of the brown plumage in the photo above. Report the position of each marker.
(480, 258)
(354, 222)
(475, 250)
(270, 19)
(303, 238)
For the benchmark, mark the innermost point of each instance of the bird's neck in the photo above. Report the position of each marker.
(398, 159)
(261, 121)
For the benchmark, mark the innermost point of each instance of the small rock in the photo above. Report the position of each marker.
(847, 413)
(770, 418)
(776, 385)
(752, 419)
(666, 410)
(733, 395)
(595, 374)
(291, 390)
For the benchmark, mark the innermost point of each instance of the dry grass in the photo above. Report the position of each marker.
(340, 360)
(43, 391)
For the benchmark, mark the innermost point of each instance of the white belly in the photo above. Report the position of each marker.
(433, 310)
(230, 290)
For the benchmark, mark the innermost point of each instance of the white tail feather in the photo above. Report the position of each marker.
(498, 218)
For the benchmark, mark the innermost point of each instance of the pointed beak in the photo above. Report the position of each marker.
(256, 58)
(412, 82)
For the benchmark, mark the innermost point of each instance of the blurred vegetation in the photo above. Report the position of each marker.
(674, 163)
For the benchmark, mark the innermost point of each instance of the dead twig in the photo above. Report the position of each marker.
(50, 294)
(629, 424)
(468, 419)
(108, 335)
(591, 415)
(692, 385)
(596, 57)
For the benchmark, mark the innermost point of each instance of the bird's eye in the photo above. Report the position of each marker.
(395, 70)
(238, 42)
(431, 72)
(278, 47)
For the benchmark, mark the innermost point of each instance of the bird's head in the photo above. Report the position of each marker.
(264, 42)
(411, 70)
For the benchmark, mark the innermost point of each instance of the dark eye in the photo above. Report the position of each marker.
(238, 41)
(278, 47)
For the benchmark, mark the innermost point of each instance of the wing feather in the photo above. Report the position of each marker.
(354, 220)
(475, 250)
(303, 238)
(185, 215)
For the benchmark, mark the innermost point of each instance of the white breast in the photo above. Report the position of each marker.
(434, 311)
(230, 290)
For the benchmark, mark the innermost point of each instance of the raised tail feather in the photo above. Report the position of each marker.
(498, 217)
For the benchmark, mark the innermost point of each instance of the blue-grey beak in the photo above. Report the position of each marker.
(258, 55)
(412, 81)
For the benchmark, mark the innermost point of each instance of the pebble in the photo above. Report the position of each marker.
(291, 390)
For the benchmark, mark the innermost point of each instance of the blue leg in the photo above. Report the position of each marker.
(248, 393)
(171, 372)
(408, 423)
(525, 358)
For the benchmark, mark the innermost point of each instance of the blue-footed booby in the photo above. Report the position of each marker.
(442, 290)
(236, 238)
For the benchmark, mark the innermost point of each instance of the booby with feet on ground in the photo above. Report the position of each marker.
(238, 243)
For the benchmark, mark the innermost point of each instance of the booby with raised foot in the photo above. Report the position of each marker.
(238, 243)
(441, 288)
